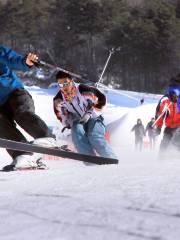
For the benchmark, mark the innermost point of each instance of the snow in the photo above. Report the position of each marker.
(134, 200)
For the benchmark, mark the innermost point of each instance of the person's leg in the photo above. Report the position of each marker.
(23, 112)
(150, 142)
(80, 140)
(175, 141)
(136, 143)
(140, 144)
(153, 142)
(96, 135)
(168, 134)
(20, 108)
(165, 143)
(9, 131)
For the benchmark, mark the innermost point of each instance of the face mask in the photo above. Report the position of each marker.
(173, 97)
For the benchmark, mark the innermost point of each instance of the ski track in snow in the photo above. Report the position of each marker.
(138, 199)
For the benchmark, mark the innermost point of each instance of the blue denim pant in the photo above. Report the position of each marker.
(89, 138)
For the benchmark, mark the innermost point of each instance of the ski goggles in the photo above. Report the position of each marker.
(65, 84)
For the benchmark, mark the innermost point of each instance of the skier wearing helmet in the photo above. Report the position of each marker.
(168, 113)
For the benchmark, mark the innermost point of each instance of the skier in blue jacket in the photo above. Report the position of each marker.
(17, 107)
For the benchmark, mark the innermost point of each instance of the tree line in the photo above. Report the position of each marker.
(78, 35)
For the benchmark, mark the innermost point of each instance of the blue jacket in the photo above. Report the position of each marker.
(9, 61)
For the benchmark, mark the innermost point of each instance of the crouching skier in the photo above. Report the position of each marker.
(17, 106)
(168, 113)
(78, 108)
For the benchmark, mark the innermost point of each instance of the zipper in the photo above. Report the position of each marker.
(78, 100)
(75, 109)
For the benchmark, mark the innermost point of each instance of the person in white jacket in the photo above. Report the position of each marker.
(79, 108)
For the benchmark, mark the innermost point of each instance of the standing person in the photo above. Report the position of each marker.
(168, 113)
(17, 106)
(151, 130)
(139, 131)
(141, 101)
(79, 108)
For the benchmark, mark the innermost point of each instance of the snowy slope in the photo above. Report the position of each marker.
(135, 200)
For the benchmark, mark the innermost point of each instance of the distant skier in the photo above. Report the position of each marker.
(17, 106)
(151, 130)
(139, 131)
(141, 101)
(79, 108)
(168, 113)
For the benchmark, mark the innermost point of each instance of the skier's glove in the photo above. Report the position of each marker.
(85, 118)
(158, 131)
(90, 104)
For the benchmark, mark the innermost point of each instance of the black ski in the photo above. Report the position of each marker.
(27, 147)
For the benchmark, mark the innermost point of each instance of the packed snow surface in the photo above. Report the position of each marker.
(137, 199)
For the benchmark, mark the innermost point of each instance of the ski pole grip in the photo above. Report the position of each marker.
(64, 128)
(39, 63)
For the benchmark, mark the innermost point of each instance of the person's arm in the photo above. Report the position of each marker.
(61, 112)
(161, 112)
(57, 101)
(133, 128)
(97, 97)
(16, 61)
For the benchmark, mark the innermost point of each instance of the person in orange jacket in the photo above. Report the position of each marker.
(168, 114)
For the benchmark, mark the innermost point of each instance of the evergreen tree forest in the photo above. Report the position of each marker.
(78, 35)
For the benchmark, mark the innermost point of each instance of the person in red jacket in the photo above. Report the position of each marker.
(168, 114)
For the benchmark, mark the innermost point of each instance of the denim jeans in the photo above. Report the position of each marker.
(89, 138)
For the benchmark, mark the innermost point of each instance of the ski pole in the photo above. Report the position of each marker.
(105, 66)
(107, 61)
(40, 63)
(160, 116)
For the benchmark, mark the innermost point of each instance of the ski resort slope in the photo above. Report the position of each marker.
(138, 199)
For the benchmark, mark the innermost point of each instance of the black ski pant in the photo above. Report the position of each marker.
(19, 109)
(175, 142)
(167, 138)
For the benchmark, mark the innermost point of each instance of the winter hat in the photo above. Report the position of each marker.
(61, 74)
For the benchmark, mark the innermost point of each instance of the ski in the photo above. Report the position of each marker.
(25, 169)
(27, 147)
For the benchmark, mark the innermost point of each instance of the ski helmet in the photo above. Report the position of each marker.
(174, 93)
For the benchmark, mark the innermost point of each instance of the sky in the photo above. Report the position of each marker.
(138, 199)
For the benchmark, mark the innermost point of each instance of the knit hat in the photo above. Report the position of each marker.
(62, 74)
